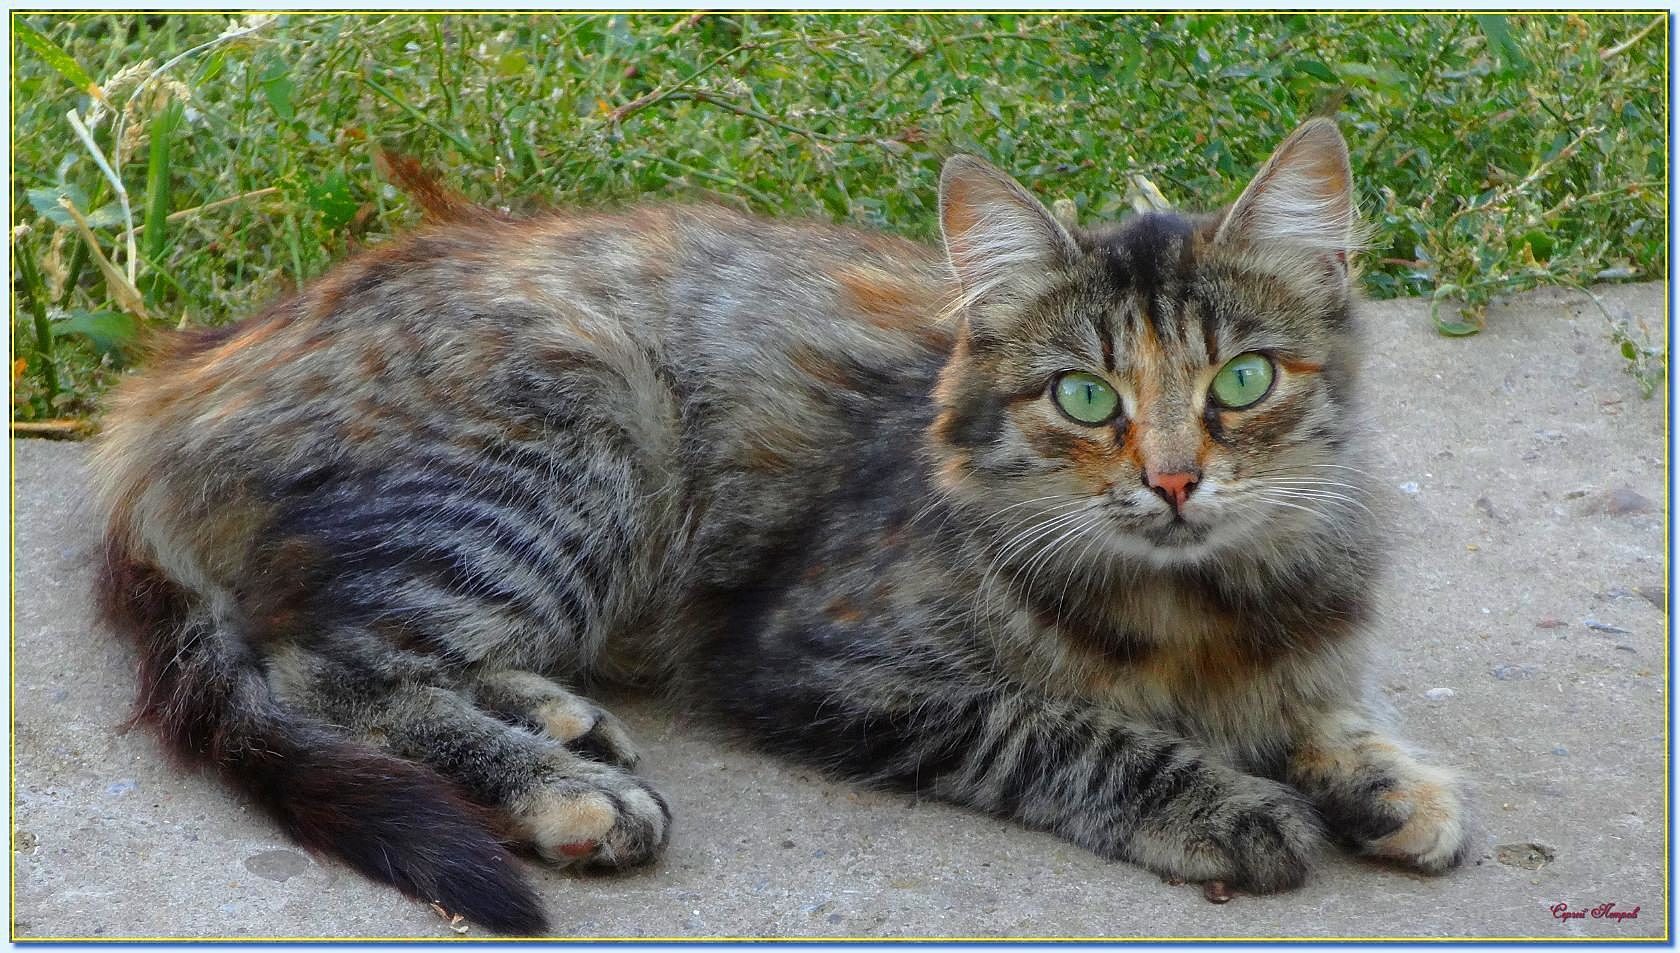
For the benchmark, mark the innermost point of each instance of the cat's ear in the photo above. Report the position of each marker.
(1301, 199)
(1004, 245)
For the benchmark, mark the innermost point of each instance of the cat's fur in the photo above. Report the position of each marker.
(813, 479)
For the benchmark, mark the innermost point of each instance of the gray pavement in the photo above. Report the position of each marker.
(1527, 647)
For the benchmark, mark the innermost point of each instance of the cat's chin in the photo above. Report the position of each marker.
(1178, 543)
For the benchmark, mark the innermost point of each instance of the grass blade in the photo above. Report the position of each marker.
(467, 149)
(121, 290)
(157, 179)
(62, 62)
(30, 280)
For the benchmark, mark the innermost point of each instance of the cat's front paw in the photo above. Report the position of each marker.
(1378, 798)
(1270, 838)
(1250, 833)
(1425, 809)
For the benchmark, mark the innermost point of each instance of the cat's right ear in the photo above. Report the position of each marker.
(1004, 245)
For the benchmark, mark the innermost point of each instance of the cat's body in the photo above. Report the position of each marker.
(812, 479)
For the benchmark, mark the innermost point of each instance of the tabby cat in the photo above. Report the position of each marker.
(1067, 526)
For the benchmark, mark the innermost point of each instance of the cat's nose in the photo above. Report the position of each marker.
(1174, 486)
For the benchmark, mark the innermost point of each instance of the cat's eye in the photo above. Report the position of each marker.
(1243, 380)
(1086, 398)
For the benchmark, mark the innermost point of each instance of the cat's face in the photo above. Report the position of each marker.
(1169, 389)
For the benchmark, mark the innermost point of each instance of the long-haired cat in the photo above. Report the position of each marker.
(1067, 526)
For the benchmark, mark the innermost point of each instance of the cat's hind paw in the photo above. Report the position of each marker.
(587, 729)
(545, 705)
(603, 817)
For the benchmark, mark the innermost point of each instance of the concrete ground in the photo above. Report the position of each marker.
(1525, 618)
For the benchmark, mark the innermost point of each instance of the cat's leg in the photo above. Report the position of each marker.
(578, 723)
(1123, 790)
(1130, 791)
(568, 806)
(1372, 792)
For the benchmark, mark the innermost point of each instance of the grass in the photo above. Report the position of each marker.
(1493, 153)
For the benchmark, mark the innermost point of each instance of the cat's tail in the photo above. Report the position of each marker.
(392, 820)
(438, 203)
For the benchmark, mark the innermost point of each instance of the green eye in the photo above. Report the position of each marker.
(1243, 380)
(1086, 398)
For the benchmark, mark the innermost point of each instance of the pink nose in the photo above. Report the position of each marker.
(1174, 487)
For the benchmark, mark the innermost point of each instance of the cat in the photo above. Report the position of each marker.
(1064, 525)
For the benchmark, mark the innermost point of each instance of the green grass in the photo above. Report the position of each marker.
(1493, 153)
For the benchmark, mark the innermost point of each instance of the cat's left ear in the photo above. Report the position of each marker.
(1301, 199)
(1004, 245)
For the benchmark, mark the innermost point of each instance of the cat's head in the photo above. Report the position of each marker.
(1174, 389)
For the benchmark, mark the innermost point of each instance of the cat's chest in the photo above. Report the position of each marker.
(1161, 642)
(1175, 657)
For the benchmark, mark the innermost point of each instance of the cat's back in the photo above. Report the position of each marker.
(714, 341)
(701, 289)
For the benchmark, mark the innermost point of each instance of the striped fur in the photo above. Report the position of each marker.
(809, 477)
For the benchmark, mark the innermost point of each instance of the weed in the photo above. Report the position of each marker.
(1494, 153)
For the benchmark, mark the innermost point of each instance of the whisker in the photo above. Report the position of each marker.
(1044, 554)
(1075, 565)
(1306, 481)
(1339, 528)
(1293, 506)
(1326, 495)
(1066, 499)
(1306, 466)
(1015, 545)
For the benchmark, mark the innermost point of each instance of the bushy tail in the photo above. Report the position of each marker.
(390, 819)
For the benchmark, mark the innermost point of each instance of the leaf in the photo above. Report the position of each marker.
(1456, 327)
(213, 66)
(1498, 31)
(1376, 77)
(59, 60)
(108, 331)
(46, 202)
(1469, 320)
(1315, 69)
(511, 64)
(1540, 243)
(277, 87)
(116, 283)
(331, 197)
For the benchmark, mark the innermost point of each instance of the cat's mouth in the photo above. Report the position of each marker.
(1179, 532)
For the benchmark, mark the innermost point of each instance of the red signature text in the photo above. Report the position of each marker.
(1604, 911)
